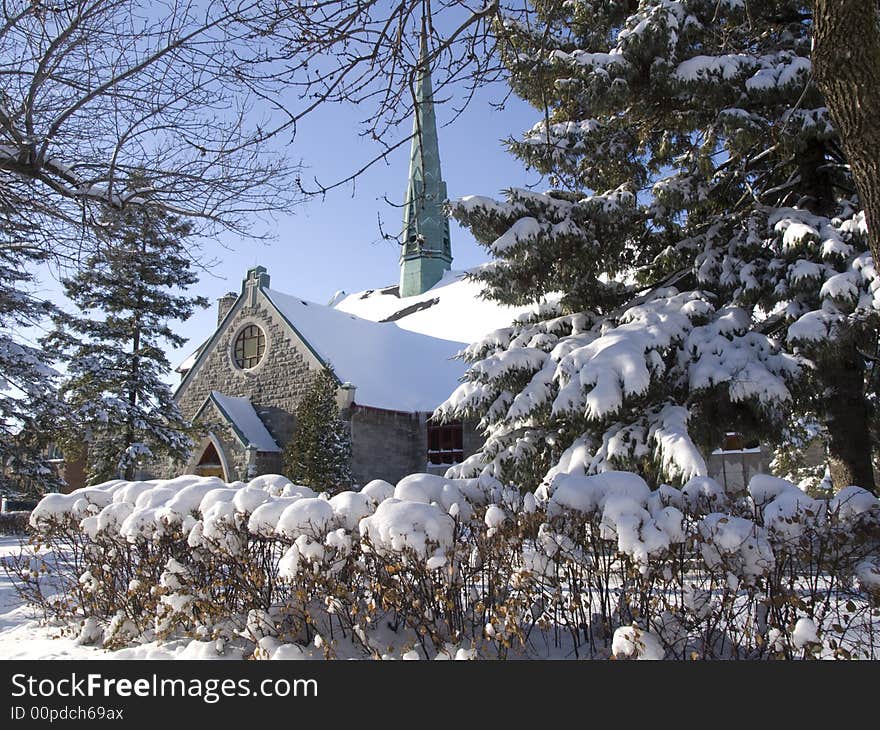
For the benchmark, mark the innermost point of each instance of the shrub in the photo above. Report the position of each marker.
(14, 523)
(586, 566)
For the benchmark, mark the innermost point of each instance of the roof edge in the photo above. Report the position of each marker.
(315, 353)
(235, 429)
(206, 347)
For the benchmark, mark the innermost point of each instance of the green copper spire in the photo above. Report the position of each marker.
(425, 249)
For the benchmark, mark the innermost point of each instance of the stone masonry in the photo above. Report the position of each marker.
(386, 444)
(274, 386)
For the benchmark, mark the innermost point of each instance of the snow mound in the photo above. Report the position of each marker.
(456, 496)
(351, 507)
(852, 503)
(588, 493)
(246, 500)
(307, 516)
(274, 484)
(641, 525)
(805, 633)
(202, 507)
(79, 503)
(397, 526)
(264, 519)
(735, 543)
(704, 494)
(378, 490)
(631, 642)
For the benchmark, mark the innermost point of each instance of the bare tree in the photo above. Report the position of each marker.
(94, 91)
(368, 53)
(192, 94)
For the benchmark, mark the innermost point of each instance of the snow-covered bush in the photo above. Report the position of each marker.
(586, 566)
(14, 523)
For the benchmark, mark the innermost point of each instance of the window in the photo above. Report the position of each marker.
(445, 444)
(210, 464)
(249, 347)
(734, 441)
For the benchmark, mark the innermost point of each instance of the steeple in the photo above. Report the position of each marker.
(425, 252)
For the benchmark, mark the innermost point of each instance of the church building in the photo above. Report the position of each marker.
(390, 351)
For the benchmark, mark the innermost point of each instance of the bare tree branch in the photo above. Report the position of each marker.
(94, 91)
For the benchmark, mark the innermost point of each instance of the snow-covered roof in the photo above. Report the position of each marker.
(244, 420)
(452, 309)
(191, 358)
(391, 367)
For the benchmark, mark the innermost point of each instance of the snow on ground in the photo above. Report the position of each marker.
(23, 635)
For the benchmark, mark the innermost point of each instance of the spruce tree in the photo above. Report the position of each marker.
(128, 293)
(701, 255)
(28, 397)
(319, 454)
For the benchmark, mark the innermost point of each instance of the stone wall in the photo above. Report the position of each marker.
(73, 471)
(269, 463)
(389, 445)
(734, 468)
(274, 386)
(470, 438)
(386, 444)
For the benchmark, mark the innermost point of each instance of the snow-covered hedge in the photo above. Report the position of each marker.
(14, 523)
(586, 566)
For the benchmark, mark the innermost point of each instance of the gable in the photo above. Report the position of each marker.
(274, 386)
(239, 414)
(252, 301)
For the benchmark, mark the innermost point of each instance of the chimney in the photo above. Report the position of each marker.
(345, 397)
(224, 304)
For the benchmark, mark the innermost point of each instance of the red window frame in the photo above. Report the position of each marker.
(445, 443)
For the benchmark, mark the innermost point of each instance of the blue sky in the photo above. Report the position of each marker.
(335, 243)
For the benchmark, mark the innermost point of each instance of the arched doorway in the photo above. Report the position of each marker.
(211, 462)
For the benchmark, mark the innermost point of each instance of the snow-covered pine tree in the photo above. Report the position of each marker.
(27, 381)
(793, 458)
(701, 256)
(128, 295)
(319, 454)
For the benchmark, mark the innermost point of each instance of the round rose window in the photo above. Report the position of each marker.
(249, 347)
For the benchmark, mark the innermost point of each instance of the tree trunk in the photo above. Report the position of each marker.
(135, 373)
(849, 439)
(132, 397)
(846, 67)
